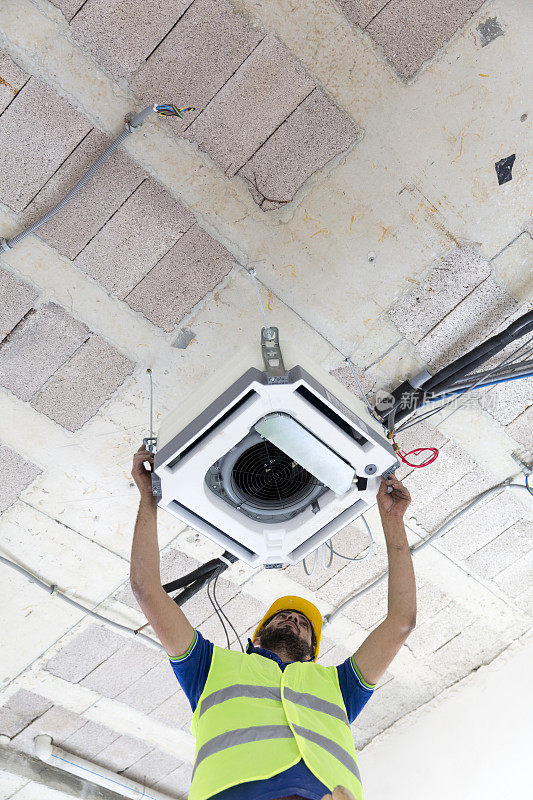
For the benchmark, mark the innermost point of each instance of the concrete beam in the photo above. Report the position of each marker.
(24, 766)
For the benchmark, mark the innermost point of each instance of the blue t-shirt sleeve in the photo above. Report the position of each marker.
(191, 669)
(356, 692)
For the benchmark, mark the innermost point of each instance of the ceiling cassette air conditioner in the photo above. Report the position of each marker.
(270, 456)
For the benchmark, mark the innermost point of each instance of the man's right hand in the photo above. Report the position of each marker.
(139, 473)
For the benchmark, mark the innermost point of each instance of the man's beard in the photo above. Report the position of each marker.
(286, 638)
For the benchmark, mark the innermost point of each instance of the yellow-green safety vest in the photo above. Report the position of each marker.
(254, 721)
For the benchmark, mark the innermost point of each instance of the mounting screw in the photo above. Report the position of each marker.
(370, 469)
(371, 256)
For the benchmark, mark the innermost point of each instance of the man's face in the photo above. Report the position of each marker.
(291, 631)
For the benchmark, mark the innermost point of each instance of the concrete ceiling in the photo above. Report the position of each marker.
(348, 152)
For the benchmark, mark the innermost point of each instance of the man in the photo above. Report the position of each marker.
(274, 727)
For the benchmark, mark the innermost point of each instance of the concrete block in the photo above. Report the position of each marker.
(513, 268)
(94, 372)
(470, 323)
(152, 767)
(13, 79)
(172, 565)
(95, 29)
(190, 269)
(31, 354)
(389, 702)
(57, 722)
(412, 31)
(177, 782)
(506, 401)
(426, 484)
(21, 709)
(435, 632)
(143, 229)
(151, 689)
(16, 299)
(369, 609)
(314, 133)
(504, 550)
(243, 610)
(90, 739)
(360, 12)
(477, 644)
(88, 211)
(441, 508)
(438, 291)
(122, 753)
(336, 655)
(354, 576)
(344, 375)
(251, 105)
(487, 520)
(68, 7)
(521, 429)
(122, 668)
(516, 579)
(430, 599)
(201, 52)
(351, 541)
(38, 130)
(176, 710)
(84, 653)
(16, 473)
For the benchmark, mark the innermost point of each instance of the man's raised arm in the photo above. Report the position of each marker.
(166, 618)
(379, 648)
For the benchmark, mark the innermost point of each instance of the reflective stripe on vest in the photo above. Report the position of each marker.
(263, 732)
(254, 721)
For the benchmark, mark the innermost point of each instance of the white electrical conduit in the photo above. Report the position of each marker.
(47, 751)
(416, 547)
(328, 618)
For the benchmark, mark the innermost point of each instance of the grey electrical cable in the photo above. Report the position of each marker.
(251, 273)
(332, 551)
(328, 618)
(359, 386)
(137, 120)
(370, 544)
(53, 590)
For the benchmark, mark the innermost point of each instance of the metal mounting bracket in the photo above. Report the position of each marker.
(272, 358)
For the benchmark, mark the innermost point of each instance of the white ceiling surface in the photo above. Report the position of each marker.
(438, 135)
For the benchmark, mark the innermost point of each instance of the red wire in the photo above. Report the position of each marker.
(403, 456)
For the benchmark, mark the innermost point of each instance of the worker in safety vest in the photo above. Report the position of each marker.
(271, 723)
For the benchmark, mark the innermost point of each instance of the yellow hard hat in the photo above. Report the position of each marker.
(297, 604)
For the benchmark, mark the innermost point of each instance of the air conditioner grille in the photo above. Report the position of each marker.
(267, 477)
